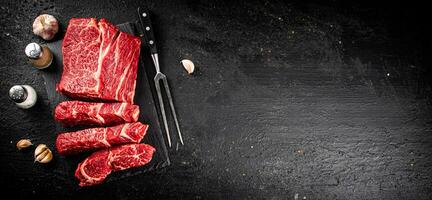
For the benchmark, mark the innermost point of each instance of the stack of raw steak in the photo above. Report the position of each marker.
(100, 63)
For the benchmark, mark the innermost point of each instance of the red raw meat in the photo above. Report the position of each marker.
(99, 61)
(97, 138)
(71, 113)
(95, 168)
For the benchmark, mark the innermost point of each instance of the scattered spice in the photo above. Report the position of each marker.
(24, 143)
(301, 152)
(43, 154)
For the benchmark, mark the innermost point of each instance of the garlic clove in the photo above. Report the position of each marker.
(47, 158)
(24, 143)
(45, 26)
(44, 157)
(39, 149)
(43, 154)
(188, 65)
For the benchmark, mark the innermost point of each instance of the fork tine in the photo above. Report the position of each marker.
(173, 111)
(161, 104)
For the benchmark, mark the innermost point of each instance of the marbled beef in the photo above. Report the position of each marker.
(95, 168)
(99, 61)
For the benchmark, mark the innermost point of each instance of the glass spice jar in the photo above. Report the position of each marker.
(39, 56)
(24, 96)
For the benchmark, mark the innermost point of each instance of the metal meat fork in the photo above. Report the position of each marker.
(150, 40)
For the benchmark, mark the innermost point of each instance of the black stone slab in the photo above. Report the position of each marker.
(143, 98)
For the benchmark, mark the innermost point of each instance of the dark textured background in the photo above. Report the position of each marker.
(316, 100)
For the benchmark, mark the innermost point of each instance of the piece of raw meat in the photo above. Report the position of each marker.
(97, 138)
(71, 113)
(95, 168)
(99, 61)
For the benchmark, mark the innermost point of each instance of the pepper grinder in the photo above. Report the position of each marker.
(39, 56)
(24, 96)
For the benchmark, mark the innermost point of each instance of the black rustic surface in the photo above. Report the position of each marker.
(290, 100)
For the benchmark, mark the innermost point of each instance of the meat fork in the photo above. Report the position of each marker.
(148, 35)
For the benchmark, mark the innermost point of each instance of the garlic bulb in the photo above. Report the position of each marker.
(24, 143)
(45, 26)
(188, 65)
(43, 154)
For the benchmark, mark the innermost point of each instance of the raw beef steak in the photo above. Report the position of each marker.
(95, 168)
(99, 61)
(97, 138)
(71, 113)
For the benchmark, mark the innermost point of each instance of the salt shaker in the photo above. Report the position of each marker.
(40, 56)
(24, 96)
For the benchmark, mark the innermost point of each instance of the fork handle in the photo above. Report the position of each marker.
(147, 29)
